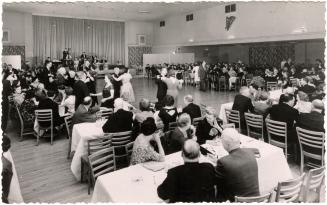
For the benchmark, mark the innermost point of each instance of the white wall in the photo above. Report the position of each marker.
(255, 22)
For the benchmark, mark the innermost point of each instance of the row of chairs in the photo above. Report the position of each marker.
(277, 135)
(306, 188)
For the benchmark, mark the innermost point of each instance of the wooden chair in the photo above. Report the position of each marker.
(248, 82)
(253, 124)
(233, 116)
(197, 120)
(312, 185)
(255, 199)
(119, 141)
(93, 145)
(312, 145)
(101, 162)
(229, 125)
(129, 150)
(68, 124)
(277, 134)
(105, 113)
(289, 191)
(172, 126)
(44, 116)
(272, 85)
(294, 82)
(24, 130)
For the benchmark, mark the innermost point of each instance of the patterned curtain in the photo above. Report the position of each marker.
(14, 50)
(52, 35)
(270, 54)
(135, 54)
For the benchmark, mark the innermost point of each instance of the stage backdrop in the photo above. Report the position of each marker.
(52, 35)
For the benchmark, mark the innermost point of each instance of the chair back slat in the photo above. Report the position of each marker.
(233, 116)
(277, 133)
(289, 191)
(197, 120)
(121, 138)
(98, 144)
(256, 199)
(172, 125)
(254, 121)
(105, 113)
(102, 162)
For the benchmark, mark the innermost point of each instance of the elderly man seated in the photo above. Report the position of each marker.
(314, 120)
(237, 173)
(190, 182)
(192, 109)
(84, 112)
(120, 121)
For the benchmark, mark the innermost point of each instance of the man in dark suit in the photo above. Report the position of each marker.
(64, 54)
(120, 121)
(284, 112)
(46, 74)
(83, 56)
(192, 109)
(314, 120)
(162, 87)
(116, 84)
(305, 87)
(203, 76)
(84, 112)
(190, 182)
(80, 89)
(242, 103)
(237, 173)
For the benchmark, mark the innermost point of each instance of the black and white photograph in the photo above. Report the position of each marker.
(163, 101)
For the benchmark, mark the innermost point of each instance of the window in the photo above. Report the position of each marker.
(162, 23)
(230, 8)
(189, 17)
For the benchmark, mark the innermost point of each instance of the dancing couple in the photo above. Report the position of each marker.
(122, 85)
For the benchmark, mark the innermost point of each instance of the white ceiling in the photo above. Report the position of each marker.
(121, 11)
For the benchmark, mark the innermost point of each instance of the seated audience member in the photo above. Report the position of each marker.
(145, 111)
(208, 128)
(18, 95)
(319, 92)
(284, 112)
(46, 102)
(120, 121)
(84, 112)
(27, 110)
(254, 92)
(69, 100)
(182, 132)
(192, 109)
(303, 105)
(237, 173)
(262, 105)
(305, 87)
(169, 112)
(314, 120)
(242, 103)
(142, 148)
(190, 182)
(80, 88)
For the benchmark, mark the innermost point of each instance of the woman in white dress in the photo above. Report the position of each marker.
(196, 75)
(126, 90)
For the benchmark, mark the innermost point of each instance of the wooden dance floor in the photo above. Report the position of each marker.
(44, 171)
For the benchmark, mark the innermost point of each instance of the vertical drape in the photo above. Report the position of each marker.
(106, 39)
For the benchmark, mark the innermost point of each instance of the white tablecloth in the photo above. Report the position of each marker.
(274, 95)
(81, 133)
(223, 107)
(15, 195)
(138, 184)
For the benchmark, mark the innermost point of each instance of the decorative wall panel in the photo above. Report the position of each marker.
(14, 50)
(135, 54)
(271, 54)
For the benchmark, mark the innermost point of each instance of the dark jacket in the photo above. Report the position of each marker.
(307, 89)
(203, 130)
(50, 104)
(237, 175)
(313, 121)
(80, 91)
(116, 85)
(193, 110)
(284, 113)
(177, 140)
(242, 104)
(191, 182)
(119, 121)
(162, 89)
(166, 117)
(82, 115)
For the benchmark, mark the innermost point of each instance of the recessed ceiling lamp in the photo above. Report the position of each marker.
(144, 12)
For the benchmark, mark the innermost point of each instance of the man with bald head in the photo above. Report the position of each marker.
(314, 120)
(237, 173)
(84, 112)
(190, 182)
(192, 109)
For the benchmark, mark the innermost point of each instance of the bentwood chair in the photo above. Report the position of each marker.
(277, 134)
(101, 162)
(289, 191)
(255, 199)
(44, 116)
(105, 113)
(93, 145)
(25, 129)
(272, 86)
(312, 185)
(197, 120)
(69, 126)
(254, 125)
(233, 116)
(312, 146)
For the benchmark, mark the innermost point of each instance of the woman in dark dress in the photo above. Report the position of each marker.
(169, 112)
(107, 94)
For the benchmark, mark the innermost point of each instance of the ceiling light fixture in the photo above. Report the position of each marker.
(144, 12)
